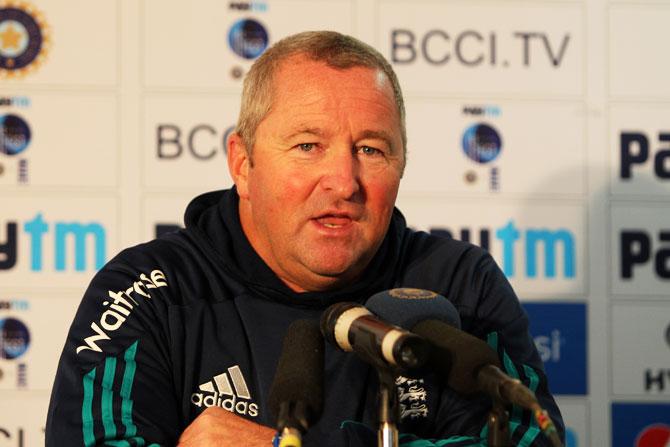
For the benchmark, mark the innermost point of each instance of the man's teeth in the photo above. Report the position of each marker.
(330, 225)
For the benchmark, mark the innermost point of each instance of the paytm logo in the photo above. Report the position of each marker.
(39, 231)
(639, 247)
(640, 424)
(558, 246)
(635, 152)
(559, 332)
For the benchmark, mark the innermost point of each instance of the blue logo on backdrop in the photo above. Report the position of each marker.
(559, 331)
(571, 439)
(481, 143)
(66, 236)
(558, 246)
(14, 134)
(14, 338)
(640, 424)
(248, 38)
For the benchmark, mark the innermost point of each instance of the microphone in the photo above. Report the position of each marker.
(406, 307)
(468, 363)
(458, 355)
(351, 327)
(296, 393)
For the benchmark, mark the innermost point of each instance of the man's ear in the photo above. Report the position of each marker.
(238, 164)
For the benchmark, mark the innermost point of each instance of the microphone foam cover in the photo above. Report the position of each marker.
(405, 307)
(464, 353)
(299, 374)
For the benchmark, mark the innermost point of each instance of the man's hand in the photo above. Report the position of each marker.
(217, 427)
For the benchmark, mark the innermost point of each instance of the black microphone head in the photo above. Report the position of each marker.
(461, 354)
(297, 386)
(405, 307)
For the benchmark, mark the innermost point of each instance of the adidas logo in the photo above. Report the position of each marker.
(219, 392)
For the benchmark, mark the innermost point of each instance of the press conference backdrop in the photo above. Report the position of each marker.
(539, 130)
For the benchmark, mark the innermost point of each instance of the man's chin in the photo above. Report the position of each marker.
(338, 270)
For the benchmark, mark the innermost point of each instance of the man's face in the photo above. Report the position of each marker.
(317, 199)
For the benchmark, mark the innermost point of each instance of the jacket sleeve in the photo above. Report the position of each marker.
(114, 381)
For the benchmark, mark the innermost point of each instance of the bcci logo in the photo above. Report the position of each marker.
(23, 39)
(14, 134)
(14, 338)
(248, 38)
(408, 293)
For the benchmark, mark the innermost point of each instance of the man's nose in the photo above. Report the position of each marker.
(342, 173)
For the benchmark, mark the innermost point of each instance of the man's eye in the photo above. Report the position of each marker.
(306, 146)
(367, 150)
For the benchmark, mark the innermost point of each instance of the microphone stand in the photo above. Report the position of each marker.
(498, 425)
(387, 400)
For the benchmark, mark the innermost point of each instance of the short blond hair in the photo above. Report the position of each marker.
(335, 49)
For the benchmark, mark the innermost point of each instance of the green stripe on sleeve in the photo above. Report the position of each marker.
(533, 430)
(440, 442)
(533, 379)
(510, 369)
(108, 398)
(126, 389)
(121, 443)
(136, 441)
(87, 409)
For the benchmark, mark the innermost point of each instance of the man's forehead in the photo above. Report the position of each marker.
(301, 66)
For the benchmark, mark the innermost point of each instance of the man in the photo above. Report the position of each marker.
(177, 340)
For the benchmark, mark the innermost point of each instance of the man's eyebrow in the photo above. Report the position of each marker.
(378, 134)
(304, 131)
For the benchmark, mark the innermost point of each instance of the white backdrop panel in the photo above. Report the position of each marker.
(640, 256)
(67, 148)
(36, 368)
(638, 50)
(505, 48)
(83, 44)
(187, 45)
(192, 152)
(642, 133)
(641, 360)
(545, 158)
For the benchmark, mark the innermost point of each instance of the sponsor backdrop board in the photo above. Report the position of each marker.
(641, 360)
(23, 418)
(50, 148)
(54, 241)
(490, 48)
(639, 246)
(560, 334)
(635, 38)
(537, 130)
(482, 148)
(185, 140)
(163, 213)
(540, 246)
(639, 150)
(65, 44)
(576, 417)
(32, 339)
(223, 38)
(640, 424)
